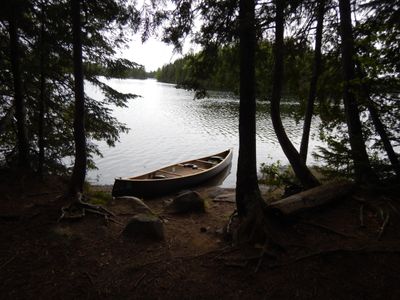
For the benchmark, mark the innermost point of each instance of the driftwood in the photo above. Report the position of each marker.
(314, 197)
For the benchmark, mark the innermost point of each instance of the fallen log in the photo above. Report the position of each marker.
(320, 195)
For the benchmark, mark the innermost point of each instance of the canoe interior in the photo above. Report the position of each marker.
(184, 169)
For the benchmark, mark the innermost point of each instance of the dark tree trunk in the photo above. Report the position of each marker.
(42, 98)
(381, 130)
(247, 190)
(362, 168)
(306, 178)
(19, 103)
(79, 170)
(379, 126)
(313, 84)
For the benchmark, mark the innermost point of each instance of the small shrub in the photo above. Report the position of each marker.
(276, 175)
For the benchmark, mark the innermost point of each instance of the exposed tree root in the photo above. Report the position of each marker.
(78, 209)
(259, 226)
(229, 224)
(262, 227)
(382, 228)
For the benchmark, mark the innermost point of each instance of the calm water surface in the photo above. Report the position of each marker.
(168, 126)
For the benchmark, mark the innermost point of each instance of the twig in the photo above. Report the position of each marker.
(382, 229)
(223, 200)
(139, 280)
(8, 261)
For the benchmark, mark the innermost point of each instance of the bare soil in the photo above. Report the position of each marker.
(330, 253)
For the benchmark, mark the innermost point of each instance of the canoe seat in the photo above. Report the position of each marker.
(206, 162)
(168, 172)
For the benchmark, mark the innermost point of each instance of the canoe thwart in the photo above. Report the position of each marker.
(168, 172)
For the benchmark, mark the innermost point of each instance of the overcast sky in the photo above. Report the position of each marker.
(153, 53)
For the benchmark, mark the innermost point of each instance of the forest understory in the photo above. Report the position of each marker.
(346, 250)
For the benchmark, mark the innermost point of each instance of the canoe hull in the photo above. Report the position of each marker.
(157, 187)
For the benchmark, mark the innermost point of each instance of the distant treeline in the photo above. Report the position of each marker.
(122, 68)
(218, 69)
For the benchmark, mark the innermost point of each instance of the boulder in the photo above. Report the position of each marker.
(144, 227)
(129, 205)
(187, 202)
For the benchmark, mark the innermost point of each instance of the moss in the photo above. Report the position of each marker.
(99, 197)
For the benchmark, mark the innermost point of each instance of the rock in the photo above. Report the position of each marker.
(130, 205)
(144, 227)
(187, 202)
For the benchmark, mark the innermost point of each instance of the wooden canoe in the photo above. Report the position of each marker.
(174, 177)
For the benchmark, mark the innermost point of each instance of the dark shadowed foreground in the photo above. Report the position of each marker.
(349, 250)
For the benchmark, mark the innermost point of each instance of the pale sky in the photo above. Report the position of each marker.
(153, 53)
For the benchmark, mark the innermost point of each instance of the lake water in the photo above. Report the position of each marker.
(168, 125)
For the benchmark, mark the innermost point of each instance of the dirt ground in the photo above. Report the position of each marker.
(330, 253)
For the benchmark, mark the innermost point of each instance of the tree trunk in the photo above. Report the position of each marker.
(19, 103)
(79, 170)
(312, 198)
(42, 98)
(362, 167)
(380, 129)
(247, 190)
(379, 126)
(306, 178)
(313, 84)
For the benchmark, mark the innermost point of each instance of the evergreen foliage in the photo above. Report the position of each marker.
(36, 81)
(194, 71)
(45, 46)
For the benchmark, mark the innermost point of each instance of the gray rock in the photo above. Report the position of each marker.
(130, 205)
(187, 202)
(144, 227)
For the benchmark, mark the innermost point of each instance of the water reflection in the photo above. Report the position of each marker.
(168, 125)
